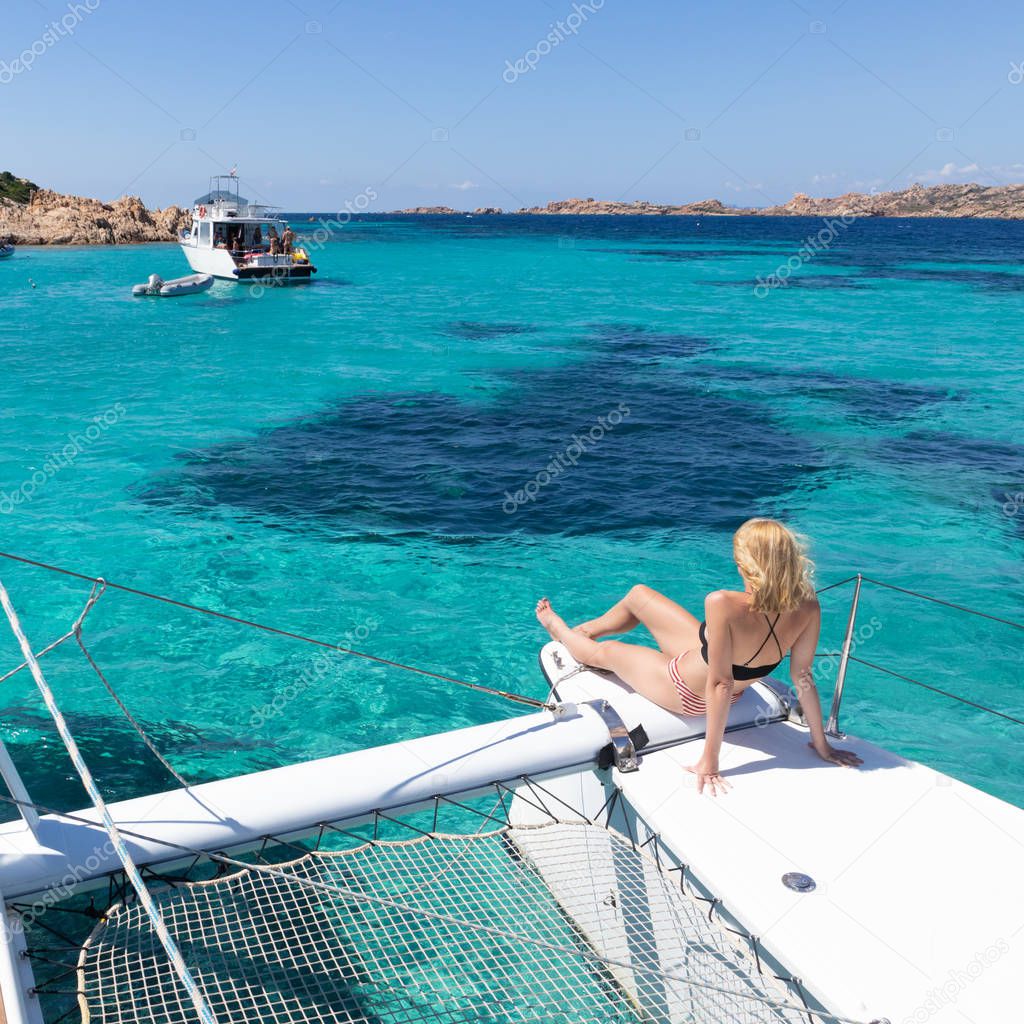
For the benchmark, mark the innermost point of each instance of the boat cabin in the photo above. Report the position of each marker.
(235, 239)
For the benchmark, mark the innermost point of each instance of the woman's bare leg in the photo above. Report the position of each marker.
(674, 629)
(641, 668)
(618, 619)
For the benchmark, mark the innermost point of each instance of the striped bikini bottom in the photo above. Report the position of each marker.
(693, 703)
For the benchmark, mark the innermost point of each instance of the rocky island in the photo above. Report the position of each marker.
(447, 211)
(37, 216)
(970, 200)
(30, 215)
(440, 211)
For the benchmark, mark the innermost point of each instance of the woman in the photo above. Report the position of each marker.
(704, 667)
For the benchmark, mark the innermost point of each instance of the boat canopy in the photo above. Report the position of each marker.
(220, 196)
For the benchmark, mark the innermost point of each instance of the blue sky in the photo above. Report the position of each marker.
(319, 102)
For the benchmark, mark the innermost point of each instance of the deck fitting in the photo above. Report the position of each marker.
(799, 882)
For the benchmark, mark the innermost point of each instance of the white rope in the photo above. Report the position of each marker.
(131, 871)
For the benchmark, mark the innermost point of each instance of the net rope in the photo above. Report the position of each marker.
(566, 922)
(169, 950)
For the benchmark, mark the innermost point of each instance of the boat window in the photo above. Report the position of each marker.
(204, 232)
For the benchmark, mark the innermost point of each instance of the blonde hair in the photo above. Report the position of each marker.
(772, 560)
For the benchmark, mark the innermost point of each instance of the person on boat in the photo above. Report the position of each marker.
(702, 668)
(275, 242)
(257, 238)
(287, 240)
(218, 238)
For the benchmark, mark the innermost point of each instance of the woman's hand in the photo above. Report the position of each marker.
(708, 775)
(846, 758)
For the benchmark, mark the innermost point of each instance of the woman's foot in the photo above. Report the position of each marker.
(584, 649)
(551, 620)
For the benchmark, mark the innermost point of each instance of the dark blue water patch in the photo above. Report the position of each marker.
(1000, 459)
(867, 398)
(473, 330)
(972, 464)
(538, 459)
(688, 255)
(636, 341)
(812, 282)
(122, 765)
(863, 399)
(891, 263)
(806, 281)
(987, 280)
(817, 282)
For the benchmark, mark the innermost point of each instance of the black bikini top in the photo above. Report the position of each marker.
(746, 670)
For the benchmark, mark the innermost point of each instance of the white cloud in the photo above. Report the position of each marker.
(465, 186)
(952, 172)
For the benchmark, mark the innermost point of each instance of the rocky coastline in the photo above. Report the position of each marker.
(447, 211)
(969, 200)
(50, 218)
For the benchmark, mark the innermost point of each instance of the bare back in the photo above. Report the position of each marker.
(738, 636)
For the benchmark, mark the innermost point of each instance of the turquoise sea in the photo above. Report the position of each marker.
(367, 459)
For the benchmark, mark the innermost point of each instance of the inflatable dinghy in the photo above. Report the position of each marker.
(5, 251)
(179, 286)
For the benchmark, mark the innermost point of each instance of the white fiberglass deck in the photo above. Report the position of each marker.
(918, 912)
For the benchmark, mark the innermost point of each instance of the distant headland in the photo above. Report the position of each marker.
(30, 215)
(971, 200)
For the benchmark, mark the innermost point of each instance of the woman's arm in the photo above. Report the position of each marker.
(801, 662)
(717, 693)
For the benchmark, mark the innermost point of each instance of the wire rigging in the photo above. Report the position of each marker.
(516, 697)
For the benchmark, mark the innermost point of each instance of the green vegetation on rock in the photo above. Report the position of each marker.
(18, 189)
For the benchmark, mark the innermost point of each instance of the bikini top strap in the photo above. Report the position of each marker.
(768, 636)
(771, 626)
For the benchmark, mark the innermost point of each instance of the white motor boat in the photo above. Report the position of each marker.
(236, 240)
(555, 866)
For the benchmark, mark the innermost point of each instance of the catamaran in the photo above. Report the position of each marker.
(236, 240)
(553, 866)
